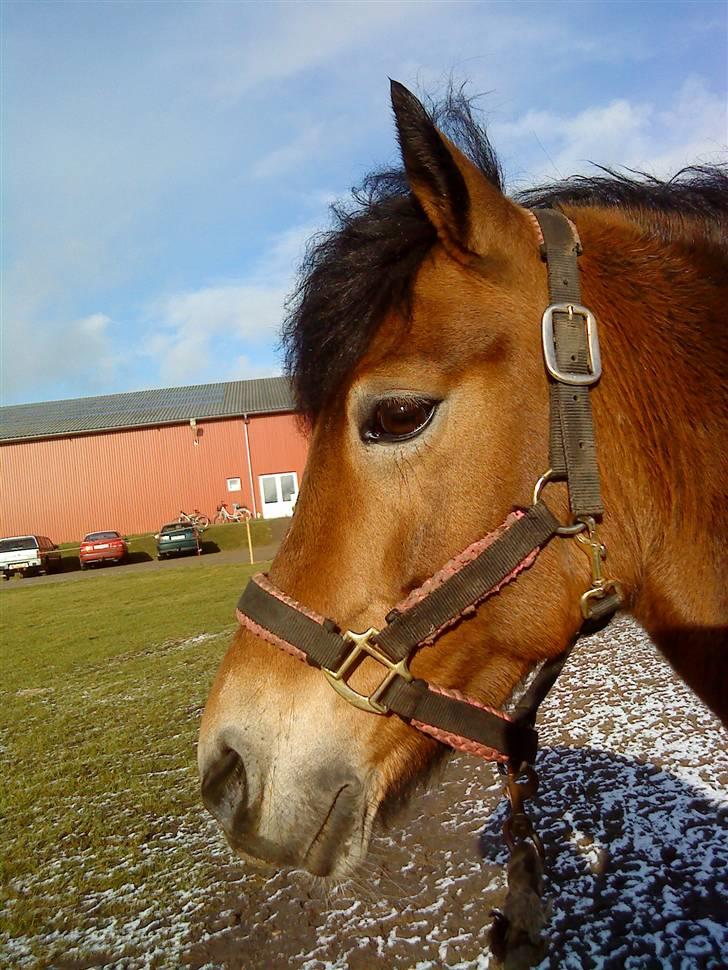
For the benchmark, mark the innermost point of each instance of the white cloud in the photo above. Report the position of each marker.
(696, 128)
(301, 149)
(185, 328)
(285, 252)
(242, 368)
(94, 327)
(80, 351)
(188, 326)
(248, 311)
(289, 40)
(619, 133)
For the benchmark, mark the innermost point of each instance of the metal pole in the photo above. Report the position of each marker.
(250, 541)
(246, 422)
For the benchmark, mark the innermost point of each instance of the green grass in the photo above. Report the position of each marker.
(57, 628)
(103, 683)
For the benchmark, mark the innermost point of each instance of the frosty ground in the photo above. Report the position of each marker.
(632, 809)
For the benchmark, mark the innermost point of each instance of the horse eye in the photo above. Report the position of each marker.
(397, 418)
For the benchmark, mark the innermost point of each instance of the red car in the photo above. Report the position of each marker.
(103, 547)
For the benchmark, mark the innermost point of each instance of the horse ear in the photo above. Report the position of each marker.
(448, 186)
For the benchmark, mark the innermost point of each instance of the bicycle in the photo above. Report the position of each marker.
(197, 518)
(239, 514)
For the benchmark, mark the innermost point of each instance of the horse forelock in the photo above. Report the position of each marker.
(364, 267)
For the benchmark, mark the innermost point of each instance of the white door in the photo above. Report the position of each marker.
(278, 494)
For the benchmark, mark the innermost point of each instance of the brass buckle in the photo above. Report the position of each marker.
(594, 359)
(597, 553)
(520, 786)
(598, 593)
(362, 643)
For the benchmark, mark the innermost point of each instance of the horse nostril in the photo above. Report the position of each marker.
(224, 788)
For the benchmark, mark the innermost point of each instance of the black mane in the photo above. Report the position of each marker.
(365, 265)
(697, 192)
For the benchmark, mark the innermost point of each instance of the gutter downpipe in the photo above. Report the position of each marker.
(246, 422)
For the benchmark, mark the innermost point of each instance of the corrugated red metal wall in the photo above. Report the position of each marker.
(136, 480)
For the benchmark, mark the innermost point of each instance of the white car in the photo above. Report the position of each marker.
(28, 555)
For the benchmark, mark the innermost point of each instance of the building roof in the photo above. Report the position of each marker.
(135, 409)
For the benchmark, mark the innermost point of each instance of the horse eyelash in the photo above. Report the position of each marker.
(365, 431)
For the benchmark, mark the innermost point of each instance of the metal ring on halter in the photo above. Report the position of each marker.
(551, 476)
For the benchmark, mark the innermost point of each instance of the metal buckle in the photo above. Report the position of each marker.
(598, 593)
(520, 786)
(592, 344)
(600, 585)
(551, 476)
(362, 643)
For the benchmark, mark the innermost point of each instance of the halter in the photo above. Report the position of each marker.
(571, 354)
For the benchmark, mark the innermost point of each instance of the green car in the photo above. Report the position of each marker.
(177, 537)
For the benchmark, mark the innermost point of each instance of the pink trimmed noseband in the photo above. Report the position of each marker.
(413, 599)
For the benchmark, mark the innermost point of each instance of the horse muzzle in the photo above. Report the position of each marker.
(284, 813)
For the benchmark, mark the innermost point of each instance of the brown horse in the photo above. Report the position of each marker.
(415, 351)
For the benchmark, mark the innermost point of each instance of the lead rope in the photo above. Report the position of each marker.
(516, 936)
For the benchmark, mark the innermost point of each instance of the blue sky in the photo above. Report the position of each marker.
(163, 163)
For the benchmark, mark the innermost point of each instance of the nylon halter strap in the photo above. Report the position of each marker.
(571, 353)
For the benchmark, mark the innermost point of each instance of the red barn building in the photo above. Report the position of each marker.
(132, 461)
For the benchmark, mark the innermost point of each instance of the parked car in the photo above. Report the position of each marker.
(28, 555)
(103, 547)
(178, 537)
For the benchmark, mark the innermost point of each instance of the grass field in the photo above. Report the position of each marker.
(103, 684)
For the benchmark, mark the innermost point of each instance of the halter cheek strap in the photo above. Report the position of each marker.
(571, 353)
(468, 579)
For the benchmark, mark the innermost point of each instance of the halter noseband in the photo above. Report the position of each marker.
(571, 354)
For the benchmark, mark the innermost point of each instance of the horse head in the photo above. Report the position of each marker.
(416, 353)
